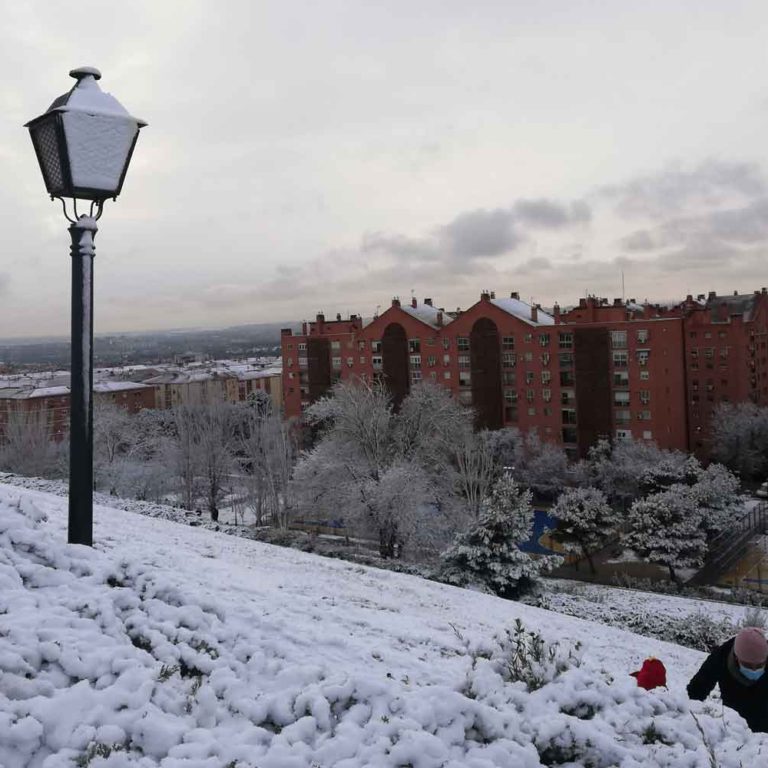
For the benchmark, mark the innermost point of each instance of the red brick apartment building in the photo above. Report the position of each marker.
(601, 369)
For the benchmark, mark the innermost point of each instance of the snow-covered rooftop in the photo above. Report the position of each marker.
(426, 313)
(522, 310)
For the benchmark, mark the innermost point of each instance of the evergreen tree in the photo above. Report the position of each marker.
(488, 554)
(667, 528)
(585, 521)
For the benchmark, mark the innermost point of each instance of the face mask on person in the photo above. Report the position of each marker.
(751, 674)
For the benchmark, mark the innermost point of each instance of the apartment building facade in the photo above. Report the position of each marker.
(618, 370)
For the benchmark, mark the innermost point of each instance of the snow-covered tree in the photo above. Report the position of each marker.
(474, 469)
(674, 469)
(740, 438)
(717, 494)
(667, 528)
(586, 522)
(488, 554)
(27, 446)
(388, 473)
(112, 443)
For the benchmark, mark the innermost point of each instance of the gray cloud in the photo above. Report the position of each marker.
(480, 233)
(700, 253)
(548, 214)
(5, 282)
(641, 240)
(536, 264)
(711, 183)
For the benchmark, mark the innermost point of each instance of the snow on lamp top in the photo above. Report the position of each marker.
(84, 140)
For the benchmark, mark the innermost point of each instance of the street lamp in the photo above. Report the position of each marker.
(84, 142)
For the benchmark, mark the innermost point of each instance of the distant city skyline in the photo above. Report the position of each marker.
(303, 157)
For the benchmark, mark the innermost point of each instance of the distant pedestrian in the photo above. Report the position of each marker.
(738, 667)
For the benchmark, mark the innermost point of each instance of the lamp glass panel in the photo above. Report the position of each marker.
(47, 145)
(98, 148)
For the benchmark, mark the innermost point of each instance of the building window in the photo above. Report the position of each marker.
(642, 356)
(694, 353)
(462, 342)
(465, 397)
(446, 359)
(529, 377)
(644, 415)
(350, 362)
(647, 435)
(546, 395)
(532, 411)
(377, 361)
(623, 434)
(303, 346)
(289, 362)
(621, 398)
(361, 346)
(431, 361)
(566, 360)
(376, 346)
(645, 396)
(446, 374)
(464, 361)
(508, 359)
(509, 378)
(530, 395)
(507, 342)
(544, 339)
(302, 362)
(620, 359)
(336, 362)
(433, 375)
(568, 415)
(362, 359)
(335, 346)
(565, 340)
(708, 334)
(645, 375)
(547, 412)
(415, 360)
(709, 352)
(414, 346)
(465, 379)
(528, 357)
(620, 378)
(642, 337)
(723, 352)
(622, 416)
(446, 342)
(510, 396)
(545, 357)
(546, 377)
(415, 376)
(567, 379)
(618, 339)
(528, 338)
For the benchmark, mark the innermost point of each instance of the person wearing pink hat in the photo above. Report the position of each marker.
(738, 667)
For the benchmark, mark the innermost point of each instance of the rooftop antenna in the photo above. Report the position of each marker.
(622, 286)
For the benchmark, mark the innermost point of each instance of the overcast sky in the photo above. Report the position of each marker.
(307, 156)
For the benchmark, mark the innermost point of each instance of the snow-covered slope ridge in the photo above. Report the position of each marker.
(172, 646)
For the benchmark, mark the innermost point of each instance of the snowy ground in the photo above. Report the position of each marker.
(173, 646)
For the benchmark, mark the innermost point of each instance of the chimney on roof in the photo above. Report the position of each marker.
(428, 302)
(556, 312)
(700, 297)
(396, 301)
(763, 291)
(535, 313)
(485, 296)
(440, 318)
(338, 317)
(711, 296)
(722, 313)
(514, 295)
(617, 302)
(735, 293)
(414, 303)
(493, 294)
(304, 328)
(582, 303)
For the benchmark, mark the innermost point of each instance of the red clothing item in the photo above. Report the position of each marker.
(651, 675)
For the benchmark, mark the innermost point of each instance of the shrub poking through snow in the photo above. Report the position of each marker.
(488, 554)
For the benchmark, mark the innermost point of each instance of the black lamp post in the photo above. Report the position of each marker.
(84, 143)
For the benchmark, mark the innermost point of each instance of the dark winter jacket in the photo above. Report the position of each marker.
(749, 698)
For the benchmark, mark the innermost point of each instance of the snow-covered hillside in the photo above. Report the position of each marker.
(173, 646)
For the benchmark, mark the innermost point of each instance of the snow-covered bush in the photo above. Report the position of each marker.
(585, 521)
(667, 528)
(488, 556)
(740, 438)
